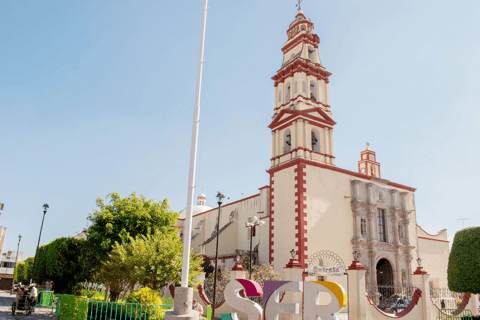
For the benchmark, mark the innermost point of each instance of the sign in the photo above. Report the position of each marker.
(326, 271)
(325, 263)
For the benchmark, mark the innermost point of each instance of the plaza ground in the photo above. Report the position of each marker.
(6, 300)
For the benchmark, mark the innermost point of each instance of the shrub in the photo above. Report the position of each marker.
(144, 296)
(73, 308)
(463, 275)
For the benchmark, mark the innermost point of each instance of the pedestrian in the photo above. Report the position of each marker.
(33, 294)
(442, 304)
(197, 306)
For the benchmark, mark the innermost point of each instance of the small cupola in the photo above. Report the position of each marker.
(201, 199)
(368, 164)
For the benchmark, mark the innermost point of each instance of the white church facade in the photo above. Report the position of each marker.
(310, 204)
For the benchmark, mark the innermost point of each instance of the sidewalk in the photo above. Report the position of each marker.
(6, 300)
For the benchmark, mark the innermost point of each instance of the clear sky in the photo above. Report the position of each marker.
(98, 96)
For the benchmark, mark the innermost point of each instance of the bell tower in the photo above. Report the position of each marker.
(302, 124)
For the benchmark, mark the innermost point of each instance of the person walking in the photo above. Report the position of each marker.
(33, 296)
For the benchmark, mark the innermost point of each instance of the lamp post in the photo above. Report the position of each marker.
(219, 197)
(45, 207)
(16, 258)
(252, 224)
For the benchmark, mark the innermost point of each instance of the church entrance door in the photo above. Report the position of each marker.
(385, 278)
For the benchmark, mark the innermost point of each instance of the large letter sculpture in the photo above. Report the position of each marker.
(233, 298)
(313, 310)
(273, 306)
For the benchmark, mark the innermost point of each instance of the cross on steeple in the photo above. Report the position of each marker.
(298, 5)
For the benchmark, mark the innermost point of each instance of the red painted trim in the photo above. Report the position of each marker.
(238, 267)
(307, 101)
(356, 265)
(433, 239)
(415, 298)
(300, 65)
(226, 205)
(401, 186)
(305, 113)
(305, 149)
(203, 296)
(465, 301)
(333, 168)
(293, 264)
(419, 270)
(301, 214)
(263, 187)
(433, 235)
(312, 39)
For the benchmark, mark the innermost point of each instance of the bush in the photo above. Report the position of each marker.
(463, 275)
(72, 307)
(144, 296)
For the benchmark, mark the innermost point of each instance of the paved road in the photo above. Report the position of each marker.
(6, 301)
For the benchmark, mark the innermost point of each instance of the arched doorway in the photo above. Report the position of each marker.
(385, 278)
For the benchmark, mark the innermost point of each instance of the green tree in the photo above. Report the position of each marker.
(152, 260)
(19, 272)
(464, 261)
(117, 218)
(28, 269)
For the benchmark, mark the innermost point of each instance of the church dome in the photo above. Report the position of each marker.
(199, 208)
(196, 210)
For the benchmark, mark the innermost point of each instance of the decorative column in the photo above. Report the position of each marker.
(397, 280)
(357, 304)
(420, 280)
(406, 226)
(403, 200)
(237, 272)
(368, 186)
(293, 272)
(355, 190)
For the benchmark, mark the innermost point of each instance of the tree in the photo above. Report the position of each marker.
(28, 269)
(20, 272)
(152, 260)
(118, 218)
(463, 274)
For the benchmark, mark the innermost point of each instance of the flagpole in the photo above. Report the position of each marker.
(193, 157)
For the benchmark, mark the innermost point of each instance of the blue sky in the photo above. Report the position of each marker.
(97, 97)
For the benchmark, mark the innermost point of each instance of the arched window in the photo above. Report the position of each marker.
(303, 27)
(295, 87)
(315, 140)
(287, 92)
(287, 141)
(311, 54)
(313, 91)
(304, 86)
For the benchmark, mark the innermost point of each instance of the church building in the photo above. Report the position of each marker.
(313, 210)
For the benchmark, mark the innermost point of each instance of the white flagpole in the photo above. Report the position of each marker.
(193, 158)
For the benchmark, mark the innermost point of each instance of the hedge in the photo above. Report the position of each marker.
(72, 307)
(464, 261)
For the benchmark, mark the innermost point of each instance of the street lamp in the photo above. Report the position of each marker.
(252, 224)
(293, 253)
(45, 207)
(16, 258)
(219, 197)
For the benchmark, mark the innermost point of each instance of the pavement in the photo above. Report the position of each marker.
(6, 300)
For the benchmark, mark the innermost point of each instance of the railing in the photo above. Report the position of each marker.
(452, 314)
(450, 299)
(391, 299)
(100, 310)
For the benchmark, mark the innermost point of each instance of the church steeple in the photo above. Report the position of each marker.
(302, 123)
